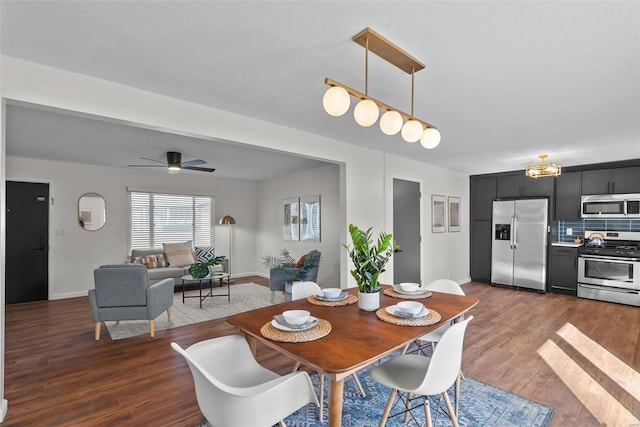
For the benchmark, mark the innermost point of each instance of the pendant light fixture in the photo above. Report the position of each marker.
(336, 100)
(543, 169)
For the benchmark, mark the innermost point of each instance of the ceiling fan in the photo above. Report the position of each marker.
(174, 163)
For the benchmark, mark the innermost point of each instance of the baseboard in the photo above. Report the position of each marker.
(464, 281)
(69, 295)
(4, 407)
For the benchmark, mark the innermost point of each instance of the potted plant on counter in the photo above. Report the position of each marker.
(369, 259)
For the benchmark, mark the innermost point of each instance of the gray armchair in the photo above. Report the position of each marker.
(122, 292)
(279, 277)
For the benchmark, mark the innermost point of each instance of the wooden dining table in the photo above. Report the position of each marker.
(357, 339)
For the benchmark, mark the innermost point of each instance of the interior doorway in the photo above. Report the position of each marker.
(406, 231)
(27, 242)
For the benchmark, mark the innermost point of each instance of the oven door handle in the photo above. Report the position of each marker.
(611, 258)
(609, 289)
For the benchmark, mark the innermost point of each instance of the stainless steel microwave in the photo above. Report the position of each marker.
(610, 206)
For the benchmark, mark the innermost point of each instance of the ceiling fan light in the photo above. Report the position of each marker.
(391, 122)
(174, 168)
(412, 131)
(430, 138)
(366, 113)
(336, 101)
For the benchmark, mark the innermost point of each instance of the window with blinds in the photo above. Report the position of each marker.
(156, 218)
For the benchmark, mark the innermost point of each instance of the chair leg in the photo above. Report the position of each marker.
(387, 408)
(452, 415)
(408, 408)
(282, 424)
(355, 378)
(456, 394)
(320, 415)
(296, 367)
(98, 326)
(152, 332)
(117, 322)
(273, 295)
(169, 313)
(427, 412)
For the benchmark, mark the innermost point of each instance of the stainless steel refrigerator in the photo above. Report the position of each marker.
(519, 249)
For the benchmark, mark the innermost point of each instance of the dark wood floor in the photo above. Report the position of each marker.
(56, 374)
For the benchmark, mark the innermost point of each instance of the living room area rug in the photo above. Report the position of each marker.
(244, 297)
(480, 405)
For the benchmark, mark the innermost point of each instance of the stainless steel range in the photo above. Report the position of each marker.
(609, 267)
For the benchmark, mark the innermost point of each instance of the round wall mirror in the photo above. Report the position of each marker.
(92, 211)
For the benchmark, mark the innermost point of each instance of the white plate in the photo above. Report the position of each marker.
(416, 292)
(286, 328)
(340, 297)
(392, 310)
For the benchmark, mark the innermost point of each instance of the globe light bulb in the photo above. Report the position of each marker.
(430, 138)
(366, 113)
(336, 101)
(391, 122)
(412, 131)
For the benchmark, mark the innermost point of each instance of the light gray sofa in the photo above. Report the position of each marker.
(161, 273)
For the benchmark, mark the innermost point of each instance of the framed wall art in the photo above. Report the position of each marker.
(290, 220)
(438, 213)
(310, 218)
(454, 213)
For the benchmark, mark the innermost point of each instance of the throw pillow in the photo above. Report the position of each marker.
(137, 260)
(154, 261)
(179, 254)
(300, 262)
(205, 253)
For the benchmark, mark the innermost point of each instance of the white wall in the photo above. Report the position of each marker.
(324, 181)
(74, 252)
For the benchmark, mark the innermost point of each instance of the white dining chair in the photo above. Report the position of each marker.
(418, 375)
(301, 290)
(234, 390)
(431, 338)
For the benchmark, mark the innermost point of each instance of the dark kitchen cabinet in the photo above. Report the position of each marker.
(483, 193)
(563, 270)
(625, 180)
(611, 181)
(567, 196)
(520, 185)
(481, 251)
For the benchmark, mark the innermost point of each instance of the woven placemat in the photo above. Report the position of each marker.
(351, 299)
(390, 292)
(429, 319)
(321, 330)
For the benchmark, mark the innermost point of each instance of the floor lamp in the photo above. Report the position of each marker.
(228, 220)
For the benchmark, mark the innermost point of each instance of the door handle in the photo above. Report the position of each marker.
(515, 232)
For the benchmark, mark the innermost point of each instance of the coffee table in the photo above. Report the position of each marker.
(208, 278)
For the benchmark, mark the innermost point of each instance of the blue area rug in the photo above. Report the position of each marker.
(480, 405)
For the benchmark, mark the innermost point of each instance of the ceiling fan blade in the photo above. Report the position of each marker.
(195, 162)
(153, 160)
(147, 166)
(195, 168)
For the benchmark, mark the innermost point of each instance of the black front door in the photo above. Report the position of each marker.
(27, 242)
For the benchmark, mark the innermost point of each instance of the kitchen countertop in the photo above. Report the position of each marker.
(567, 244)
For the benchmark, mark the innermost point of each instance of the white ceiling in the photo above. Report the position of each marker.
(505, 81)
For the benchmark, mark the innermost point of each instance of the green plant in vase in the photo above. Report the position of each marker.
(369, 258)
(200, 270)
